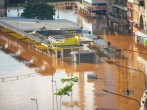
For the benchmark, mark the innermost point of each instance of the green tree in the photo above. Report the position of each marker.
(38, 10)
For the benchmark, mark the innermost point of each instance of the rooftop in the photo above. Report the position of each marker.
(83, 52)
(35, 24)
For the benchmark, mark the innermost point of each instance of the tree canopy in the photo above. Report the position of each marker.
(38, 10)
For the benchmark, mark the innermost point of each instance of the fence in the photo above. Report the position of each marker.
(14, 78)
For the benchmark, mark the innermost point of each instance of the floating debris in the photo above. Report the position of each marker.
(92, 76)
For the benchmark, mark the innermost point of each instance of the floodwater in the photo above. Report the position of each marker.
(26, 74)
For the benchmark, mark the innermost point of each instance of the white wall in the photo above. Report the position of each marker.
(89, 1)
(131, 1)
(96, 1)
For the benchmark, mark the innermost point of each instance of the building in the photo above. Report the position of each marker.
(84, 56)
(137, 20)
(93, 7)
(65, 47)
(145, 14)
(136, 15)
(117, 20)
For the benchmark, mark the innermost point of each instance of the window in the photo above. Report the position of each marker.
(141, 3)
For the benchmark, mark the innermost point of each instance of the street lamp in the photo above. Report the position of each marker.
(36, 102)
(122, 96)
(145, 82)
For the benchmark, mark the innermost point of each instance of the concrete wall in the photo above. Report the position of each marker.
(85, 58)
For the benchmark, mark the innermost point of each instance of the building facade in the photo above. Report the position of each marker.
(136, 15)
(145, 14)
(93, 7)
(117, 20)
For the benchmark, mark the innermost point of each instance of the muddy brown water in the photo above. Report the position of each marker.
(87, 94)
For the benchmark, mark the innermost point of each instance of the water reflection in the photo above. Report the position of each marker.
(86, 94)
(34, 87)
(6, 46)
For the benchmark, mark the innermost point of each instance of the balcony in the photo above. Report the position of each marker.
(118, 19)
(112, 17)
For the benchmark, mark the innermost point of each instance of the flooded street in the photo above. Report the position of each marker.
(26, 74)
(17, 88)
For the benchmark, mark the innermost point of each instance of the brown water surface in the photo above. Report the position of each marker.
(27, 73)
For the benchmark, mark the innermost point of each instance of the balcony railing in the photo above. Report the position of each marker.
(122, 21)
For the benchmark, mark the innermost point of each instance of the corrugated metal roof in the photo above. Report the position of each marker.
(35, 24)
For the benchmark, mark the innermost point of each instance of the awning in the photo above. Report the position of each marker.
(90, 36)
(141, 33)
(5, 29)
(30, 41)
(120, 6)
(42, 47)
(18, 36)
(100, 42)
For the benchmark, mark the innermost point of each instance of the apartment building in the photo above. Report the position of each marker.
(93, 7)
(140, 28)
(136, 15)
(117, 20)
